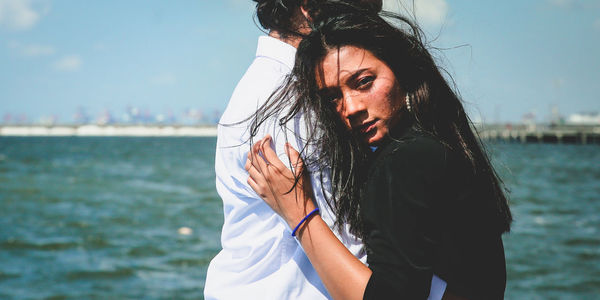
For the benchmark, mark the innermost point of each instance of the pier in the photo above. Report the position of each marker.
(108, 130)
(510, 133)
(550, 134)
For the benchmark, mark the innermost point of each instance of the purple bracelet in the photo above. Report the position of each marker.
(304, 220)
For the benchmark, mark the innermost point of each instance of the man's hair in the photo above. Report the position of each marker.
(284, 16)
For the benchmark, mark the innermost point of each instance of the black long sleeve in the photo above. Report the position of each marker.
(423, 214)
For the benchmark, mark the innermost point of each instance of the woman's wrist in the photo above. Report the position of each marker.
(297, 218)
(305, 220)
(310, 222)
(294, 211)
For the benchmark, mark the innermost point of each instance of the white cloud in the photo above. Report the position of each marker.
(68, 63)
(164, 79)
(31, 50)
(427, 12)
(432, 11)
(37, 50)
(18, 14)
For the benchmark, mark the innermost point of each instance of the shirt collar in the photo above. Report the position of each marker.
(275, 49)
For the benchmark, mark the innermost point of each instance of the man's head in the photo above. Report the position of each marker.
(290, 17)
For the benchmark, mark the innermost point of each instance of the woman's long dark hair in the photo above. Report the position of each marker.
(436, 108)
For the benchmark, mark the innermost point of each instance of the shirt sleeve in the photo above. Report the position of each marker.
(399, 214)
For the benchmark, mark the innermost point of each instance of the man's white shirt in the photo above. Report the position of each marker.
(260, 259)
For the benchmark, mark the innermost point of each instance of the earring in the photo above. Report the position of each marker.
(407, 99)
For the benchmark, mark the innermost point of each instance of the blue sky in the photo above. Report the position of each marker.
(519, 56)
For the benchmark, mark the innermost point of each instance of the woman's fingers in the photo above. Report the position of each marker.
(255, 174)
(257, 181)
(251, 160)
(256, 186)
(271, 179)
(295, 158)
(257, 161)
(248, 161)
(273, 171)
(270, 155)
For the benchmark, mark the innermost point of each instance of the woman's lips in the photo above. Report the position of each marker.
(367, 127)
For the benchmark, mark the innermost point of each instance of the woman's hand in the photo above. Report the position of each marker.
(344, 276)
(273, 181)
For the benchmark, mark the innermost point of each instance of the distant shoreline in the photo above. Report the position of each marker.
(109, 130)
(521, 133)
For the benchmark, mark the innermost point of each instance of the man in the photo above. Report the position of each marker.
(260, 259)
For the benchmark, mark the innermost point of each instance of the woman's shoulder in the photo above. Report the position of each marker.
(415, 148)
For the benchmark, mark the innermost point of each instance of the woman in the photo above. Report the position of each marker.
(408, 173)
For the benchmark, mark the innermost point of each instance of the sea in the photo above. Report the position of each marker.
(130, 218)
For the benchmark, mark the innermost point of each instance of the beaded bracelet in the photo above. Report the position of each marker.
(304, 220)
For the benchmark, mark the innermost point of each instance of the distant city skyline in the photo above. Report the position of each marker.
(509, 60)
(125, 115)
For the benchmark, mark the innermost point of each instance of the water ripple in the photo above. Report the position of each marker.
(100, 274)
(100, 218)
(15, 244)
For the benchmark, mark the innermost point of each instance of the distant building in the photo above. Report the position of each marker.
(81, 116)
(7, 119)
(584, 119)
(105, 118)
(529, 119)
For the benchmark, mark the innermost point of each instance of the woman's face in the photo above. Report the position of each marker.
(364, 91)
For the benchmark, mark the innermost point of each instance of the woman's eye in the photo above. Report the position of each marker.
(365, 82)
(331, 96)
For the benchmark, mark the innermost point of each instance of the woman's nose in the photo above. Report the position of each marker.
(353, 105)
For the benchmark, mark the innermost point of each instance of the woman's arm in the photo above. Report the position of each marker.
(344, 276)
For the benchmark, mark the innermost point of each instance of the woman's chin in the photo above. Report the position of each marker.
(374, 140)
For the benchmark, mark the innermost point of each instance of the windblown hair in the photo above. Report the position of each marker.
(435, 109)
(284, 15)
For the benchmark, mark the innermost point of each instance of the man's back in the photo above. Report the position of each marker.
(259, 258)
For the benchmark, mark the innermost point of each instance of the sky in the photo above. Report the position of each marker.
(508, 58)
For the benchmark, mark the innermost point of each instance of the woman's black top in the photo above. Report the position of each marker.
(426, 212)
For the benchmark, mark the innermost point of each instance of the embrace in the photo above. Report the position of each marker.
(373, 183)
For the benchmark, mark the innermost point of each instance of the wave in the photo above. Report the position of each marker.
(100, 274)
(15, 244)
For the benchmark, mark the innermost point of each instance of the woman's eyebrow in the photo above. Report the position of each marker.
(328, 90)
(350, 78)
(355, 74)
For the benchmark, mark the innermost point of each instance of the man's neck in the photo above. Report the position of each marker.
(292, 40)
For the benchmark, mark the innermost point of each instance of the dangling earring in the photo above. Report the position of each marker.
(407, 99)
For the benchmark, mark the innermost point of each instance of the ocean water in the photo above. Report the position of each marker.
(553, 250)
(140, 218)
(99, 217)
